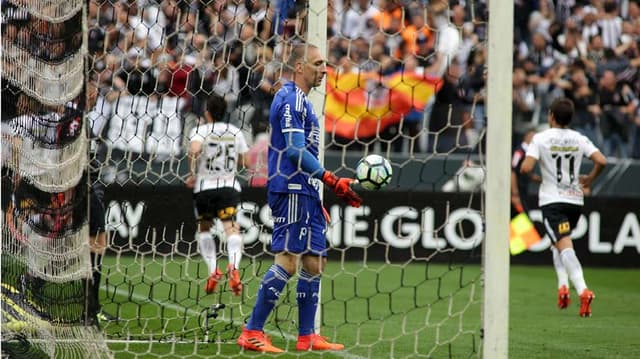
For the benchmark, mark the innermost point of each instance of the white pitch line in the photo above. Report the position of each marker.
(179, 308)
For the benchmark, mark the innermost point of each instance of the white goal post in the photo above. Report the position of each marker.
(495, 321)
(318, 20)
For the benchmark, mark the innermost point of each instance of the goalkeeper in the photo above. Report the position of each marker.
(294, 197)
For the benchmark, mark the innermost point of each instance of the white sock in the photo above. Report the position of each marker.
(572, 264)
(234, 247)
(561, 272)
(207, 248)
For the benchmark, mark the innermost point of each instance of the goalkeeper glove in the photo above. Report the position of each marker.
(342, 188)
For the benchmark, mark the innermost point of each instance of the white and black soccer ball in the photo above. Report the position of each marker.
(373, 172)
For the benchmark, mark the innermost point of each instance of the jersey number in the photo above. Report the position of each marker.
(559, 159)
(227, 152)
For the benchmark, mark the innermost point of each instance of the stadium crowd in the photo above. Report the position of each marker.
(587, 50)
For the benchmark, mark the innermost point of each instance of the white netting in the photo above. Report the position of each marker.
(59, 259)
(54, 11)
(51, 170)
(405, 81)
(49, 83)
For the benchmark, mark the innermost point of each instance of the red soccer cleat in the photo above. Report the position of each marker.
(234, 280)
(212, 282)
(585, 302)
(316, 342)
(256, 340)
(563, 297)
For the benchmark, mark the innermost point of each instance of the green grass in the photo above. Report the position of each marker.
(378, 310)
(539, 330)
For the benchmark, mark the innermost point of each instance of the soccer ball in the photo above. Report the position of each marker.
(373, 172)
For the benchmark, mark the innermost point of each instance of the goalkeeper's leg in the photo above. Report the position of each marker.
(272, 284)
(308, 297)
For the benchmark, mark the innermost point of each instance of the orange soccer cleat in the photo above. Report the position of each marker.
(316, 342)
(563, 297)
(234, 280)
(585, 302)
(256, 340)
(212, 282)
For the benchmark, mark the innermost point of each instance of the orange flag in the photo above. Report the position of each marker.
(523, 234)
(361, 105)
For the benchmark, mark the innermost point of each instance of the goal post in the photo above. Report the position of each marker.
(317, 35)
(496, 251)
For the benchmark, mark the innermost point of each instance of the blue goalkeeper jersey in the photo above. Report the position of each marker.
(290, 112)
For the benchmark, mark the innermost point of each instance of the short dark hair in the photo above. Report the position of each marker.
(216, 106)
(610, 6)
(562, 110)
(298, 52)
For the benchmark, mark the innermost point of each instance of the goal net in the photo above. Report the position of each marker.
(405, 79)
(45, 241)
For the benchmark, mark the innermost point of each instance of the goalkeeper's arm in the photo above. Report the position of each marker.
(298, 153)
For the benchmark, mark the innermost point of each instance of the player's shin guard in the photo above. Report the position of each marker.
(234, 247)
(207, 248)
(307, 296)
(271, 286)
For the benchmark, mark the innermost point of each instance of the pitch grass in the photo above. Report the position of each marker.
(539, 330)
(442, 302)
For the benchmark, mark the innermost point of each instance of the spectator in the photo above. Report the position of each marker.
(359, 20)
(446, 126)
(524, 103)
(595, 51)
(610, 25)
(584, 99)
(541, 53)
(223, 79)
(416, 32)
(541, 19)
(263, 84)
(473, 88)
(549, 87)
(617, 106)
(590, 26)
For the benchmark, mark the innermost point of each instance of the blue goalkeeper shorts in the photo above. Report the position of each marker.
(299, 224)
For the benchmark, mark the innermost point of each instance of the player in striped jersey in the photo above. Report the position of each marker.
(559, 150)
(215, 151)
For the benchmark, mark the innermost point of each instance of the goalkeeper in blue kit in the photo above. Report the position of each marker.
(299, 218)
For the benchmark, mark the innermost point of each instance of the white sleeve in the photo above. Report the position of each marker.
(241, 143)
(588, 148)
(533, 150)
